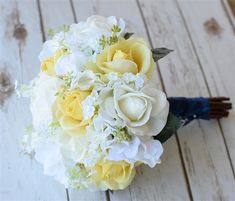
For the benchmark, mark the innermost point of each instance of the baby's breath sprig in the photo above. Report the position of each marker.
(65, 28)
(29, 129)
(121, 134)
(103, 41)
(65, 87)
(116, 29)
(112, 40)
(54, 124)
(51, 32)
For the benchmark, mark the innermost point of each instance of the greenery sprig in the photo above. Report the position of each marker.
(104, 41)
(121, 134)
(64, 28)
(66, 86)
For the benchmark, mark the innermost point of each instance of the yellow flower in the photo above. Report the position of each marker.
(113, 175)
(69, 112)
(48, 65)
(132, 55)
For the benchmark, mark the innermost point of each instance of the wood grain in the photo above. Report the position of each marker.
(202, 145)
(21, 178)
(216, 54)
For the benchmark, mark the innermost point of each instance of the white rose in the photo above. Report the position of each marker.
(144, 112)
(147, 151)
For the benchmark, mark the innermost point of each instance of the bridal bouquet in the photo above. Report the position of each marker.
(97, 114)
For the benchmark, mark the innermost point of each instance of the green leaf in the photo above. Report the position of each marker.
(159, 53)
(172, 125)
(127, 35)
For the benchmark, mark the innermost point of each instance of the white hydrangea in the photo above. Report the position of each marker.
(136, 81)
(43, 95)
(49, 155)
(89, 105)
(86, 35)
(147, 151)
(85, 80)
(49, 48)
(71, 63)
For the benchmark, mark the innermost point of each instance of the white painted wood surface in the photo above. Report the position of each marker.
(20, 177)
(198, 164)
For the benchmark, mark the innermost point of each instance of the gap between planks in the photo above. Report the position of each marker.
(205, 80)
(164, 89)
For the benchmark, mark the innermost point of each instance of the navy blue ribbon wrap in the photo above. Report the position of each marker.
(189, 109)
(183, 111)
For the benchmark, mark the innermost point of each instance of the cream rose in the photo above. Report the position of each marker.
(144, 112)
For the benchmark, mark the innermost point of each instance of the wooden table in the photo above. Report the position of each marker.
(198, 163)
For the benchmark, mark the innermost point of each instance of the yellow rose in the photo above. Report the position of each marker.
(69, 112)
(113, 175)
(48, 65)
(132, 55)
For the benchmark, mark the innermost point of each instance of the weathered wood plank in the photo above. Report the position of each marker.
(54, 14)
(21, 178)
(202, 144)
(149, 184)
(214, 41)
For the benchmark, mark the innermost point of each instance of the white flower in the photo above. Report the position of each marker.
(49, 48)
(89, 105)
(139, 82)
(107, 108)
(71, 63)
(85, 35)
(112, 20)
(49, 155)
(147, 151)
(112, 76)
(99, 135)
(84, 80)
(144, 112)
(138, 79)
(73, 148)
(42, 99)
